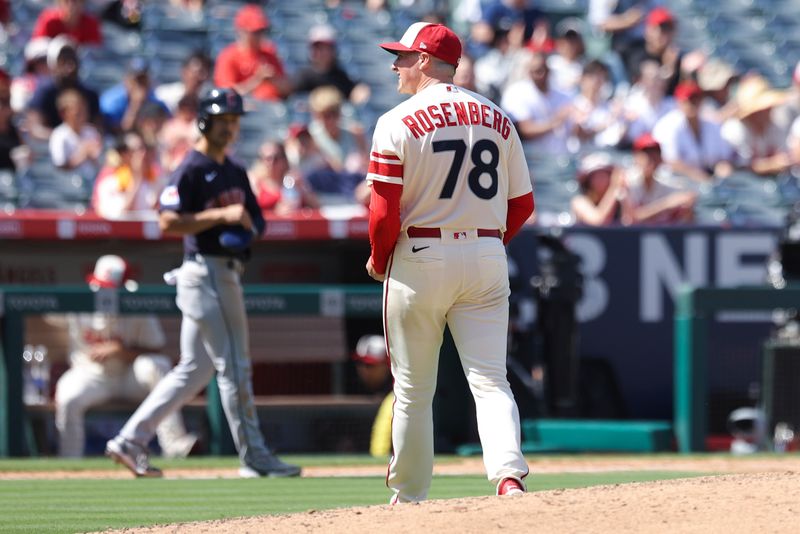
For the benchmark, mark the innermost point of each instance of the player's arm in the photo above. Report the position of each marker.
(173, 222)
(115, 349)
(384, 222)
(520, 190)
(519, 209)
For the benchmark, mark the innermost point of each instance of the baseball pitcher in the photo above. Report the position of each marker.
(450, 186)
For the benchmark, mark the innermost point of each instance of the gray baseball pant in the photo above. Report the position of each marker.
(214, 336)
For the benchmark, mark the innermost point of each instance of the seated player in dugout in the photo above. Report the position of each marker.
(372, 367)
(112, 357)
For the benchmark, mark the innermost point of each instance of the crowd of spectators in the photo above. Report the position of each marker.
(613, 79)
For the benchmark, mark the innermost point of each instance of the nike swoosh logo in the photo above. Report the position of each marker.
(417, 249)
(210, 176)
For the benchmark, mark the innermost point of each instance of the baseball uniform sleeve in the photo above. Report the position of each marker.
(519, 209)
(386, 156)
(178, 194)
(384, 222)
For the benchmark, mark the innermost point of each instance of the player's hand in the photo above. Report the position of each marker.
(236, 214)
(375, 275)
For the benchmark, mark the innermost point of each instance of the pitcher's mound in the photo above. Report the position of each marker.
(741, 503)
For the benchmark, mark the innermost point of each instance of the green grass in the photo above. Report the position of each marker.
(50, 506)
(208, 462)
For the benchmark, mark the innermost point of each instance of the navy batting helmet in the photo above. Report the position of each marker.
(218, 102)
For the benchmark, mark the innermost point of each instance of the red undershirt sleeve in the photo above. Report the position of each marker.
(384, 222)
(519, 209)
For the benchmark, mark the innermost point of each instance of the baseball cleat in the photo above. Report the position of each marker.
(511, 486)
(133, 456)
(273, 467)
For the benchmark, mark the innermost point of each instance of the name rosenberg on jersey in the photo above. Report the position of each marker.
(445, 114)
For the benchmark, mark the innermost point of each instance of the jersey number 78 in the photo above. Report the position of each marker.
(479, 167)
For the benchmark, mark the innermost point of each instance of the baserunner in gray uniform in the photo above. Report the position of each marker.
(209, 201)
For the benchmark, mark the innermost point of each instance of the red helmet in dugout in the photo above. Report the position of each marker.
(111, 272)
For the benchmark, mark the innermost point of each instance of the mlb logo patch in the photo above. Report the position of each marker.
(170, 199)
(459, 235)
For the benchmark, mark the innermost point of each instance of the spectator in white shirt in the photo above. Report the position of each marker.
(541, 113)
(647, 101)
(690, 145)
(596, 123)
(648, 198)
(497, 68)
(566, 62)
(195, 72)
(75, 144)
(759, 142)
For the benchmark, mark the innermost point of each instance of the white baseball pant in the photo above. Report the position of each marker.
(462, 280)
(214, 338)
(79, 389)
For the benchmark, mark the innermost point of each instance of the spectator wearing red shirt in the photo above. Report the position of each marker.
(251, 65)
(67, 16)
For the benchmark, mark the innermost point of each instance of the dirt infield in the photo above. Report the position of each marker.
(740, 503)
(759, 496)
(474, 466)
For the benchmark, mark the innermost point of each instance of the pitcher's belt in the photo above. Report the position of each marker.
(413, 231)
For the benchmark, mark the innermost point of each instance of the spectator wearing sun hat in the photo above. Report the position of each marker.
(715, 78)
(691, 145)
(251, 65)
(759, 142)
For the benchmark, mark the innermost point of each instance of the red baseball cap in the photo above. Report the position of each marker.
(687, 90)
(435, 39)
(646, 141)
(251, 18)
(660, 15)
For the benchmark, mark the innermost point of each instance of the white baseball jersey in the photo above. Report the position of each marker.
(459, 160)
(86, 329)
(460, 143)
